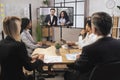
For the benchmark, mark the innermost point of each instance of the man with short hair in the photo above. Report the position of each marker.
(106, 49)
(51, 19)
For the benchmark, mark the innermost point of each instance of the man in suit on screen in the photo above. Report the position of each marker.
(51, 19)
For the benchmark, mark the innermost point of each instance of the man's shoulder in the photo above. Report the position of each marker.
(103, 42)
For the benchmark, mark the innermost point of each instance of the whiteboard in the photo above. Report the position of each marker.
(13, 10)
(17, 10)
(2, 15)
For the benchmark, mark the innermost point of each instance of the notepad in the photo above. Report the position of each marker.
(71, 56)
(52, 59)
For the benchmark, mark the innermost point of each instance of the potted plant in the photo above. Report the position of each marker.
(46, 2)
(39, 32)
(118, 7)
(39, 29)
(57, 46)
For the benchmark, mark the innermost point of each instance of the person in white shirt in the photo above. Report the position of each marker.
(89, 38)
(26, 36)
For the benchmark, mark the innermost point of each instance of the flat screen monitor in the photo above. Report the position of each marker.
(67, 20)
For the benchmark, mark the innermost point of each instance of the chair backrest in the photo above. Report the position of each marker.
(108, 71)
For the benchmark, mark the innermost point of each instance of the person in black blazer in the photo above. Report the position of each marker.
(105, 50)
(13, 53)
(51, 19)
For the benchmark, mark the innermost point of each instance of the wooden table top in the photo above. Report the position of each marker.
(51, 51)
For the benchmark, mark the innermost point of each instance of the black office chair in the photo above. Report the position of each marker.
(108, 71)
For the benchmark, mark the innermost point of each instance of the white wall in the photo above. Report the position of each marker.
(20, 4)
(100, 5)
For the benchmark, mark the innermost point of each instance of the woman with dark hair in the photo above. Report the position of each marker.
(90, 36)
(63, 19)
(26, 36)
(13, 53)
(25, 23)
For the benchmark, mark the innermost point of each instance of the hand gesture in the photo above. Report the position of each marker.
(48, 23)
(54, 23)
(62, 24)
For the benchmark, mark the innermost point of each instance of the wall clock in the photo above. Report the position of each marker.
(110, 4)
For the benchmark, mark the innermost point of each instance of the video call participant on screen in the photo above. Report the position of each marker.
(27, 37)
(51, 19)
(13, 53)
(63, 19)
(105, 50)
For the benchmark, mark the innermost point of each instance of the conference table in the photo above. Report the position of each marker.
(51, 52)
(51, 57)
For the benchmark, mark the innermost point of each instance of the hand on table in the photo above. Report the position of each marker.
(70, 43)
(78, 56)
(39, 43)
(34, 57)
(37, 56)
(41, 57)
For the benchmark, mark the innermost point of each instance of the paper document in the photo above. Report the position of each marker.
(52, 59)
(71, 56)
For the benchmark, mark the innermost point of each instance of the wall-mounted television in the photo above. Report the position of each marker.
(42, 13)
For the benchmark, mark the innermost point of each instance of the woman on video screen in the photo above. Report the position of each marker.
(63, 19)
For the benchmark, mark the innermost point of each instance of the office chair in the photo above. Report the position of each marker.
(108, 71)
